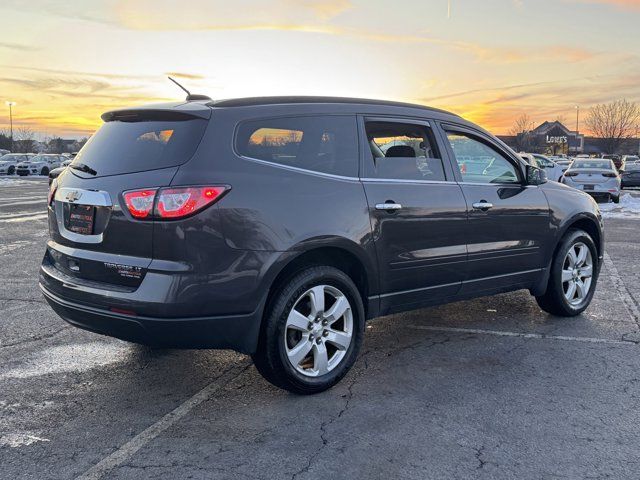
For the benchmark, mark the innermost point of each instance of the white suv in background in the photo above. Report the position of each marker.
(9, 161)
(39, 164)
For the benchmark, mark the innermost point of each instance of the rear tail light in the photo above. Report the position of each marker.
(182, 202)
(171, 203)
(610, 174)
(570, 174)
(139, 202)
(52, 191)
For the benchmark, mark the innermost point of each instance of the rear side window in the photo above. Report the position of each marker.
(134, 146)
(404, 151)
(326, 144)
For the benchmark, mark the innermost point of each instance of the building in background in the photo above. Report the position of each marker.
(553, 138)
(550, 137)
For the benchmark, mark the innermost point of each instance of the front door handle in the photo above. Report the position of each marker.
(389, 206)
(482, 205)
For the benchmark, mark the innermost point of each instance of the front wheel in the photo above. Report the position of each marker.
(44, 171)
(616, 199)
(312, 331)
(12, 170)
(573, 276)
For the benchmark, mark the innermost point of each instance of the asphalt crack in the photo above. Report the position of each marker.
(36, 338)
(323, 426)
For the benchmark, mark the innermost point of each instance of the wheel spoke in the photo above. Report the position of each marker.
(572, 257)
(317, 300)
(320, 358)
(586, 272)
(337, 309)
(300, 351)
(567, 275)
(297, 321)
(582, 255)
(571, 291)
(582, 289)
(339, 339)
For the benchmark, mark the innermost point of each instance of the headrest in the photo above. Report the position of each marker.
(401, 151)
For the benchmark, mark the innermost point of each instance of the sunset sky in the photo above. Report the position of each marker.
(66, 62)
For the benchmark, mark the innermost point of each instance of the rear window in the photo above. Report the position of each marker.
(593, 164)
(126, 147)
(327, 144)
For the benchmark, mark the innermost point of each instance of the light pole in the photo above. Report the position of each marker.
(11, 105)
(577, 124)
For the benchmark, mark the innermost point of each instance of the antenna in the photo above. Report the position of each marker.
(176, 82)
(190, 96)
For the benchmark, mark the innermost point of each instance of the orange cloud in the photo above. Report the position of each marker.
(623, 4)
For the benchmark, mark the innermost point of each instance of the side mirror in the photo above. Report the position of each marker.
(535, 175)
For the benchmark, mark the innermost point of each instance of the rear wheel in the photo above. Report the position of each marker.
(616, 199)
(312, 331)
(573, 276)
(44, 171)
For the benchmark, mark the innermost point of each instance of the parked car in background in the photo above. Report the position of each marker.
(172, 227)
(9, 162)
(3, 152)
(564, 164)
(631, 175)
(552, 169)
(616, 159)
(40, 164)
(598, 177)
(55, 173)
(627, 159)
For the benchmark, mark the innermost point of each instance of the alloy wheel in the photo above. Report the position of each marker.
(577, 273)
(318, 331)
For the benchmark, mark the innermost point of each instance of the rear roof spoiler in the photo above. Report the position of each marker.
(165, 111)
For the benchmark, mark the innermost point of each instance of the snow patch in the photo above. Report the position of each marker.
(14, 440)
(73, 358)
(629, 207)
(10, 181)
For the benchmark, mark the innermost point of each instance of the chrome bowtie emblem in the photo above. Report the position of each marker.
(73, 195)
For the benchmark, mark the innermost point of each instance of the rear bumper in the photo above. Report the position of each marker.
(236, 332)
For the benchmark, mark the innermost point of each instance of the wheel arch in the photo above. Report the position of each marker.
(588, 222)
(342, 254)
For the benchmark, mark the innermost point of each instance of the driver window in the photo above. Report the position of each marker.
(479, 163)
(404, 151)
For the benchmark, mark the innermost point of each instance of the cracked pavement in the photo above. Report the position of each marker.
(420, 403)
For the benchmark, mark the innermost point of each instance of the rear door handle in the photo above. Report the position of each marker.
(389, 207)
(482, 205)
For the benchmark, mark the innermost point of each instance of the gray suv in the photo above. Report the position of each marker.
(277, 226)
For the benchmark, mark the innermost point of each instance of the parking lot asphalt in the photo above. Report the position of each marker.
(489, 388)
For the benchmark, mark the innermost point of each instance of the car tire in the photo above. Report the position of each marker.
(562, 286)
(616, 199)
(11, 170)
(44, 171)
(284, 338)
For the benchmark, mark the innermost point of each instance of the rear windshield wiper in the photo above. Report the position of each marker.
(83, 168)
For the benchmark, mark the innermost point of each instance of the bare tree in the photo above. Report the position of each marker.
(24, 140)
(614, 123)
(521, 130)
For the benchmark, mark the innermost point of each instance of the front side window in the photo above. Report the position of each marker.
(404, 151)
(326, 144)
(479, 163)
